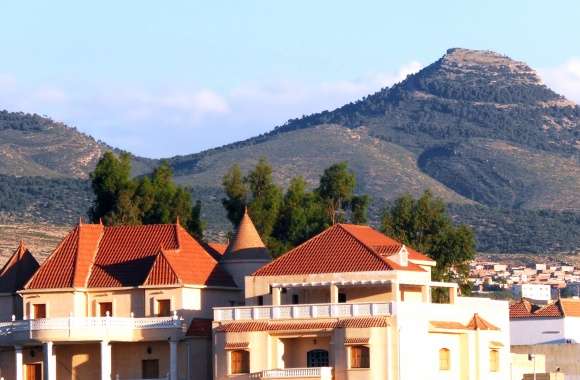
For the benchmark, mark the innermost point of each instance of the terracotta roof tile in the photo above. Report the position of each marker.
(525, 309)
(99, 257)
(353, 341)
(447, 325)
(341, 248)
(570, 307)
(478, 323)
(199, 328)
(291, 325)
(19, 268)
(236, 345)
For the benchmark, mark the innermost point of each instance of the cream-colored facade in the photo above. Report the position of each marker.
(360, 325)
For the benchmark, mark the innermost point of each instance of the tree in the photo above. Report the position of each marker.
(336, 188)
(111, 183)
(359, 205)
(424, 225)
(236, 193)
(195, 225)
(266, 198)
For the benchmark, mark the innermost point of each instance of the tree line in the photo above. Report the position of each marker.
(283, 218)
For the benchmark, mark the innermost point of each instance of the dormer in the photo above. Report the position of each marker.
(401, 257)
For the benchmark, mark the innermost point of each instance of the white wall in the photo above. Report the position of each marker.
(537, 331)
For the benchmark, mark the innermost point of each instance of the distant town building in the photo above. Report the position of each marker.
(536, 292)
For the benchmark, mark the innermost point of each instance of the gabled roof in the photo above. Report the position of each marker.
(475, 323)
(19, 268)
(525, 309)
(96, 256)
(247, 244)
(339, 249)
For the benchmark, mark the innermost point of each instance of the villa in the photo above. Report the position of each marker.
(121, 302)
(352, 303)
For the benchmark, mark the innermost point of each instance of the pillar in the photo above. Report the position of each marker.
(18, 365)
(452, 295)
(105, 360)
(426, 293)
(396, 289)
(49, 361)
(333, 293)
(173, 359)
(276, 296)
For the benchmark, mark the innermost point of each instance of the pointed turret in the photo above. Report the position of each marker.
(246, 252)
(18, 270)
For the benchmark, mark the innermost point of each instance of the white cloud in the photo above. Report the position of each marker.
(564, 79)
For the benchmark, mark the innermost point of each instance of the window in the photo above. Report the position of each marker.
(33, 371)
(163, 308)
(295, 299)
(493, 360)
(341, 298)
(39, 311)
(444, 359)
(104, 308)
(150, 368)
(359, 357)
(317, 358)
(260, 300)
(239, 361)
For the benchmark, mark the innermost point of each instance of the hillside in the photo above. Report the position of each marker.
(477, 128)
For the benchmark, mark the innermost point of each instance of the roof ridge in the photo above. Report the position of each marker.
(371, 250)
(92, 263)
(161, 256)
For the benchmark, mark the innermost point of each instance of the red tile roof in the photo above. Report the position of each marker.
(353, 341)
(19, 268)
(525, 309)
(340, 248)
(475, 323)
(95, 256)
(291, 325)
(199, 328)
(570, 307)
(236, 345)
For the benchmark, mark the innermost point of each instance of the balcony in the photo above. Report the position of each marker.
(318, 373)
(301, 311)
(91, 329)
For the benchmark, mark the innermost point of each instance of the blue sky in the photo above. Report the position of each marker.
(177, 77)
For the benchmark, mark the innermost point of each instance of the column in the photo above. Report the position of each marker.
(105, 360)
(18, 364)
(333, 293)
(49, 361)
(396, 291)
(173, 359)
(276, 296)
(426, 293)
(452, 295)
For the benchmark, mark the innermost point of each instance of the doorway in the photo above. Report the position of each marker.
(33, 371)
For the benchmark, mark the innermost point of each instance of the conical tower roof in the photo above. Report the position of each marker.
(19, 268)
(247, 244)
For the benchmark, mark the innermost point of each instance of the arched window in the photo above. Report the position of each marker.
(317, 358)
(494, 360)
(444, 359)
(239, 361)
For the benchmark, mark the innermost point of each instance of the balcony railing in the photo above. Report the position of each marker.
(323, 373)
(87, 326)
(323, 310)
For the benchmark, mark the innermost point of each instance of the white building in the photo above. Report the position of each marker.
(536, 292)
(555, 323)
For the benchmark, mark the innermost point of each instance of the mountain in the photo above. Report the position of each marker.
(475, 127)
(32, 145)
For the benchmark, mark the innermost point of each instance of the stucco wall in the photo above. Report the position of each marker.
(537, 331)
(563, 356)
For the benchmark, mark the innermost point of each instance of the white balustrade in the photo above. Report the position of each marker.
(301, 311)
(89, 324)
(323, 373)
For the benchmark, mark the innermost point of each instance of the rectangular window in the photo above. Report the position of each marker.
(150, 368)
(341, 298)
(104, 308)
(239, 362)
(295, 299)
(260, 300)
(163, 308)
(494, 360)
(359, 357)
(39, 311)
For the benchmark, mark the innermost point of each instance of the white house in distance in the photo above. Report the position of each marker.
(536, 292)
(555, 323)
